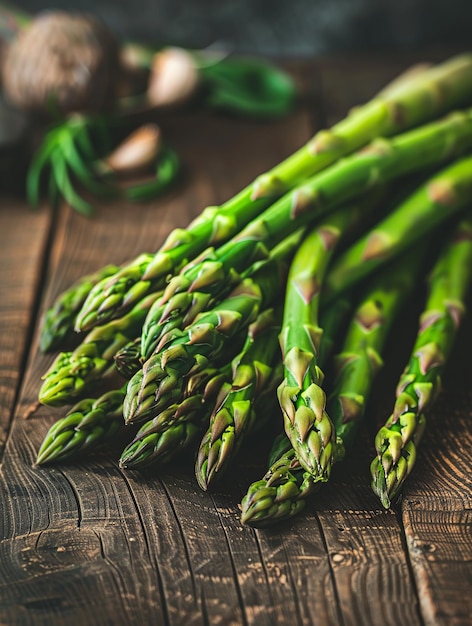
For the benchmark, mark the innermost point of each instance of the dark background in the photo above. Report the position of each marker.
(285, 27)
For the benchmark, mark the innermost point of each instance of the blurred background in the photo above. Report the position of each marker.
(277, 27)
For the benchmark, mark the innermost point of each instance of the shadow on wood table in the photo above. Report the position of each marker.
(87, 543)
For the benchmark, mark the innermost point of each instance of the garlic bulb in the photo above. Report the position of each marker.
(174, 78)
(61, 62)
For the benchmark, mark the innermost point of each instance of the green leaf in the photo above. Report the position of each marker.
(249, 87)
(35, 171)
(86, 176)
(62, 180)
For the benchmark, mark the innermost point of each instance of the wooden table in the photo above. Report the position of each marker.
(88, 543)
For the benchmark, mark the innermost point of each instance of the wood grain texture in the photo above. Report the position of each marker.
(23, 240)
(437, 502)
(88, 543)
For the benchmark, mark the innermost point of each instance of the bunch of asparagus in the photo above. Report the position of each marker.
(225, 331)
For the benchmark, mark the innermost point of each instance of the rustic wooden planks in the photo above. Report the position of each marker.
(23, 240)
(89, 543)
(436, 508)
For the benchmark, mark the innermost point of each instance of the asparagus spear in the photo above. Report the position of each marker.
(443, 194)
(389, 114)
(302, 301)
(362, 355)
(124, 288)
(282, 492)
(300, 395)
(235, 413)
(89, 423)
(163, 437)
(58, 321)
(72, 373)
(397, 440)
(211, 336)
(286, 485)
(128, 358)
(195, 289)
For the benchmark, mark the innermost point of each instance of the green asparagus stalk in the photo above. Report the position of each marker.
(210, 337)
(286, 485)
(234, 415)
(58, 321)
(414, 104)
(362, 353)
(128, 358)
(397, 440)
(91, 422)
(151, 448)
(114, 295)
(162, 438)
(282, 492)
(306, 278)
(445, 193)
(333, 321)
(73, 373)
(300, 394)
(195, 289)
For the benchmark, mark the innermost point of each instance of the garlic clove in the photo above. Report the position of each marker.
(138, 151)
(174, 78)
